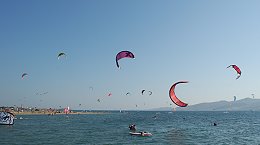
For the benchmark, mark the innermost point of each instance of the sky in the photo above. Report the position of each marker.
(172, 40)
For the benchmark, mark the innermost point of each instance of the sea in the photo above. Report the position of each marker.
(111, 128)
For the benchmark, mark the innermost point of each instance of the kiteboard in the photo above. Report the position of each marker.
(140, 133)
(6, 118)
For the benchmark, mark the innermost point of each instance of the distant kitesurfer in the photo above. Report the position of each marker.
(215, 124)
(132, 127)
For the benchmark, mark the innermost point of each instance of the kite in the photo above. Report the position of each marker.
(98, 100)
(110, 94)
(150, 93)
(44, 93)
(143, 92)
(237, 70)
(123, 54)
(24, 75)
(61, 54)
(174, 98)
(128, 93)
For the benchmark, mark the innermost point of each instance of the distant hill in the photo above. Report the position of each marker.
(246, 104)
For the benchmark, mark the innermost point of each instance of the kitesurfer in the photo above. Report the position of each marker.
(132, 127)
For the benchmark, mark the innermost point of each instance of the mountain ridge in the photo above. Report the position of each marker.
(246, 104)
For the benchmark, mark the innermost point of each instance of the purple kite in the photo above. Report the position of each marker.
(123, 54)
(237, 70)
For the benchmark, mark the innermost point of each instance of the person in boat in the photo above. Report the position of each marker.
(8, 117)
(142, 133)
(11, 114)
(132, 127)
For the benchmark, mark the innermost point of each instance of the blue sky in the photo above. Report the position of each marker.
(172, 41)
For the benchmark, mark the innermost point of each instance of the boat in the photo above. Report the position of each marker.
(6, 118)
(142, 133)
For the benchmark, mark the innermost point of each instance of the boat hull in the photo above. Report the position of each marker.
(6, 118)
(140, 134)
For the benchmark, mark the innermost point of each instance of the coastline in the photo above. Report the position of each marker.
(52, 113)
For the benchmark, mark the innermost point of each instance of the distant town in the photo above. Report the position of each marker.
(27, 110)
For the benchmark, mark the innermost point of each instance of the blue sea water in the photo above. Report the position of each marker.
(168, 128)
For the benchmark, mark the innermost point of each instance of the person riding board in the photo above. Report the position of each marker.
(132, 127)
